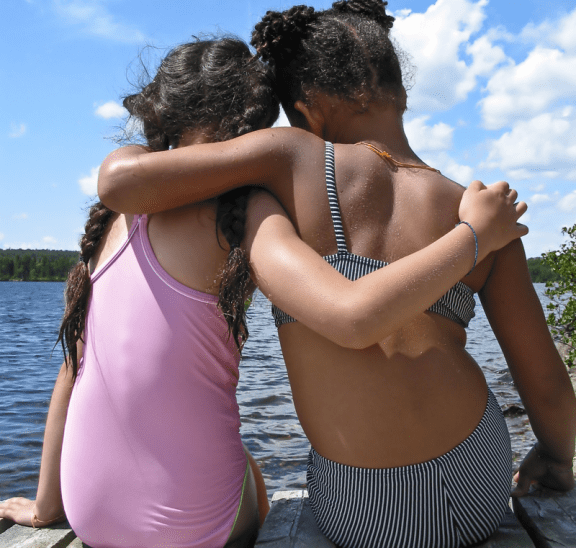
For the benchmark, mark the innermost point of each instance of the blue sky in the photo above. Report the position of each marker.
(493, 97)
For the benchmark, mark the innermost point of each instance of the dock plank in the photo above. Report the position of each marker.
(510, 534)
(549, 517)
(57, 536)
(5, 524)
(77, 543)
(291, 524)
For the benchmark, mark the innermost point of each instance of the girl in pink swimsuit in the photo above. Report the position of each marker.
(152, 454)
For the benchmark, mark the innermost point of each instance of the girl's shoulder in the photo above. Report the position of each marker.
(285, 139)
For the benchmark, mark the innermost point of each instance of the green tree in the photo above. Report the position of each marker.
(562, 293)
(540, 272)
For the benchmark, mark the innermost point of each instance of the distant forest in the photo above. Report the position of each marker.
(36, 265)
(46, 265)
(541, 272)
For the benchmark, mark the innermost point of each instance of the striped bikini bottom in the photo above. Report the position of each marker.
(454, 500)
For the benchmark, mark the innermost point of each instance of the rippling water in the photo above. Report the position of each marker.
(30, 313)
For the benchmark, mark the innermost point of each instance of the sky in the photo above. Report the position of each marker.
(493, 97)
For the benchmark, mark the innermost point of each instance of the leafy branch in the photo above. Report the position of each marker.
(562, 308)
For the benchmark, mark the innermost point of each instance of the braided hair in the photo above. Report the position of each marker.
(345, 51)
(78, 285)
(216, 86)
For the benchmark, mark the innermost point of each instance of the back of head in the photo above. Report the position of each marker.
(219, 88)
(215, 86)
(345, 51)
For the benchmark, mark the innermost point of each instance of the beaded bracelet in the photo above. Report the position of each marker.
(475, 242)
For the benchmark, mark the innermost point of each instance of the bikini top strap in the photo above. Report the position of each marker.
(333, 199)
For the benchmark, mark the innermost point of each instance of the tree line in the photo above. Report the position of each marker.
(46, 265)
(541, 272)
(36, 265)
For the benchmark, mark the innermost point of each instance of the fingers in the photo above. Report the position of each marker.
(502, 187)
(477, 185)
(521, 208)
(17, 509)
(522, 486)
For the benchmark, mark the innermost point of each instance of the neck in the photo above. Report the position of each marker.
(193, 137)
(380, 125)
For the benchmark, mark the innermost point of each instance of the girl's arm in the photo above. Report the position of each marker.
(48, 507)
(361, 313)
(134, 179)
(515, 314)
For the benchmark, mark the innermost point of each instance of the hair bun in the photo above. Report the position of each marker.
(278, 35)
(372, 9)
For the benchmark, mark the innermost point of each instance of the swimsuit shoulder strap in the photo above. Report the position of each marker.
(333, 199)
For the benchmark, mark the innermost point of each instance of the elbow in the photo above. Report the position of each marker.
(114, 183)
(106, 176)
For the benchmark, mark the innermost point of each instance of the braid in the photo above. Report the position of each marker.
(344, 51)
(278, 36)
(219, 87)
(234, 277)
(372, 9)
(78, 285)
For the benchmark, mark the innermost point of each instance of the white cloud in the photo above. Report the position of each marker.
(96, 20)
(423, 137)
(462, 174)
(546, 77)
(540, 199)
(526, 218)
(568, 202)
(1, 236)
(436, 40)
(544, 146)
(89, 184)
(21, 245)
(282, 120)
(111, 109)
(558, 33)
(17, 130)
(459, 173)
(20, 216)
(565, 36)
(49, 240)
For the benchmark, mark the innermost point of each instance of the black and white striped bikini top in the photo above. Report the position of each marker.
(456, 305)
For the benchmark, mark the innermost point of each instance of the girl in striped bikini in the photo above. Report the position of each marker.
(409, 447)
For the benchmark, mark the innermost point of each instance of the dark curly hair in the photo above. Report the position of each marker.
(216, 86)
(344, 51)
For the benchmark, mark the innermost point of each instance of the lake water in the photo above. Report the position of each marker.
(30, 313)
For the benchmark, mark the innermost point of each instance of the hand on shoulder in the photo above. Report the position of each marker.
(493, 213)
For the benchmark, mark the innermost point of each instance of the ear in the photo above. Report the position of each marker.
(314, 118)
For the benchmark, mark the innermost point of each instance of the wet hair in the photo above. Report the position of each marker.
(215, 86)
(345, 51)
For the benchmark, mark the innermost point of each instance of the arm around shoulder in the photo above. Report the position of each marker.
(354, 314)
(136, 179)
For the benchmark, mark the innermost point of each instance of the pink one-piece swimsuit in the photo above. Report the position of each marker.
(152, 454)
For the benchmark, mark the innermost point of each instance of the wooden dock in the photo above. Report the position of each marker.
(540, 520)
